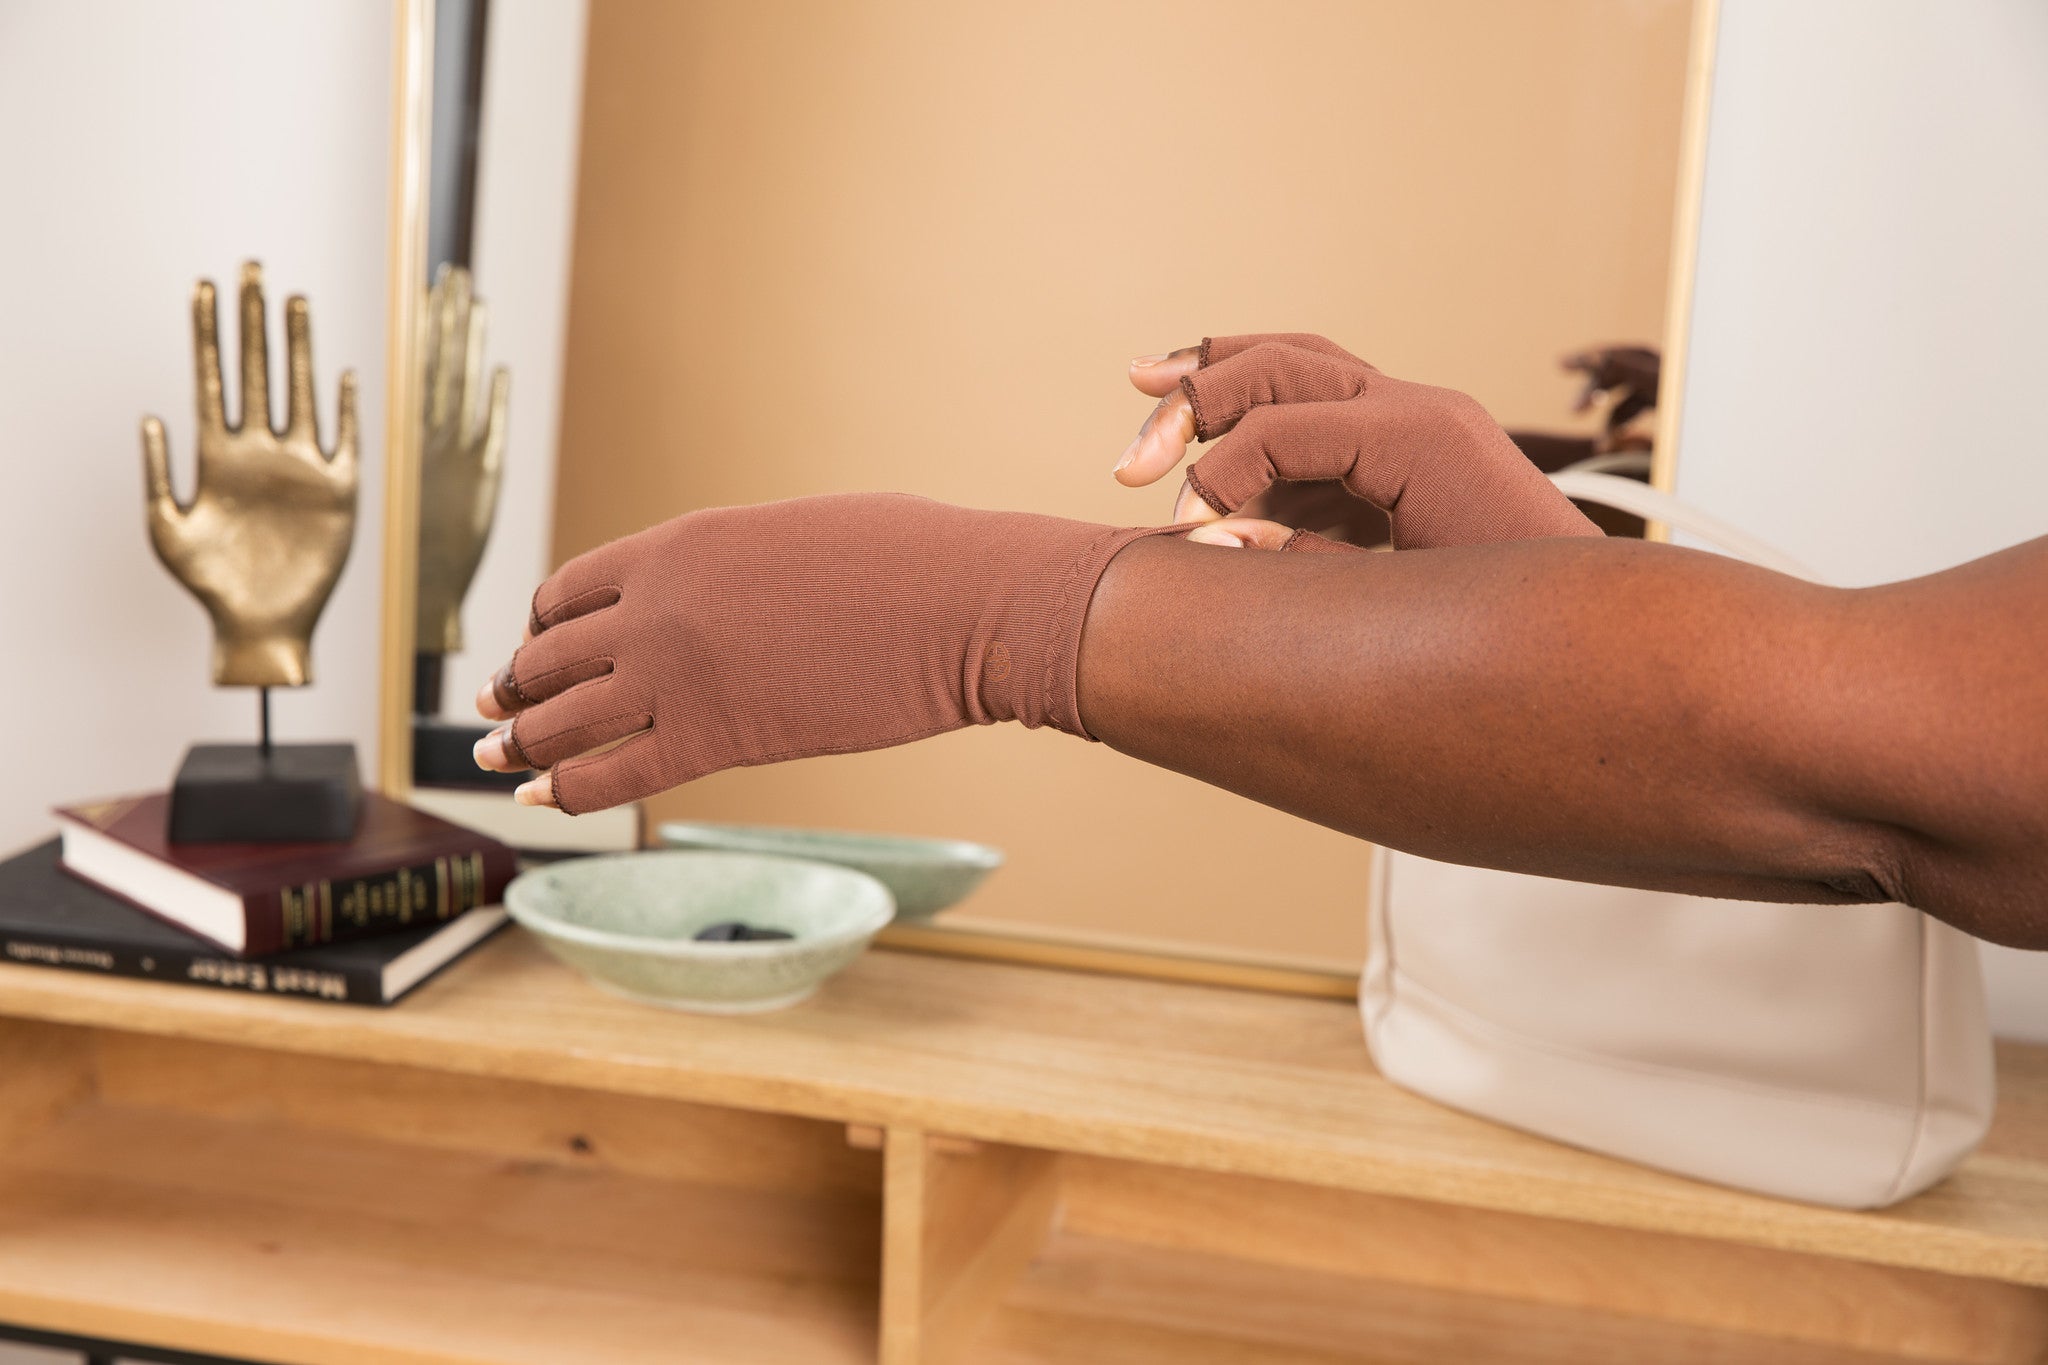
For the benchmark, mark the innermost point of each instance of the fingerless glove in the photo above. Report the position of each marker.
(747, 635)
(1292, 405)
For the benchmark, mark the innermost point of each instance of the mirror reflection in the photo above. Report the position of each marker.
(913, 246)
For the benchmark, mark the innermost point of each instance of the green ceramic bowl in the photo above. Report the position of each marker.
(924, 875)
(627, 920)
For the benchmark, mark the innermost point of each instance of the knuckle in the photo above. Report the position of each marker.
(1465, 412)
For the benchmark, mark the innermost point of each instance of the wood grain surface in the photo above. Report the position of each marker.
(1174, 1074)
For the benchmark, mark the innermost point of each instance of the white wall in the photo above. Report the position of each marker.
(1870, 333)
(143, 145)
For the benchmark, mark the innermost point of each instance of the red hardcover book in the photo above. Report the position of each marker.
(403, 869)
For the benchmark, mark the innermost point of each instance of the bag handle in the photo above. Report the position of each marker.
(1653, 504)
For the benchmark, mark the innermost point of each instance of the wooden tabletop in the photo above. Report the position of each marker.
(1186, 1075)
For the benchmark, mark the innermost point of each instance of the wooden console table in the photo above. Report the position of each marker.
(934, 1160)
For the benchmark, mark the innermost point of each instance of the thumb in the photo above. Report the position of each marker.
(1245, 532)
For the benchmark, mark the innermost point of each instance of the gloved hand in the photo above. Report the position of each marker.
(1292, 405)
(827, 625)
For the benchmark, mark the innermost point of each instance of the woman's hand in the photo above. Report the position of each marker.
(1295, 406)
(745, 635)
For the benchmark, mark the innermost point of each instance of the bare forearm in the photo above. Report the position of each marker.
(1598, 710)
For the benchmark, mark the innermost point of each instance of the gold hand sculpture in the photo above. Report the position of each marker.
(462, 453)
(270, 522)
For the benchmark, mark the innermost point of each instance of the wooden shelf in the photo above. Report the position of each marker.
(277, 1242)
(1090, 1301)
(1019, 1257)
(1189, 1076)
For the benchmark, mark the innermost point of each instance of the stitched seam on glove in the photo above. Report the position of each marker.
(1063, 652)
(1187, 386)
(611, 666)
(1202, 492)
(600, 724)
(1056, 637)
(560, 611)
(514, 747)
(504, 685)
(561, 803)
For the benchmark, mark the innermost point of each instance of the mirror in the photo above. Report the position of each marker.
(912, 246)
(486, 351)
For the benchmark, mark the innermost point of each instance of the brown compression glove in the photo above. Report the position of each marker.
(1291, 405)
(745, 635)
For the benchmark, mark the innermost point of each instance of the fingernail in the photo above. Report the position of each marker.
(1147, 361)
(1130, 453)
(1208, 535)
(527, 793)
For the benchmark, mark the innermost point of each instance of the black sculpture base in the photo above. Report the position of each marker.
(243, 793)
(444, 755)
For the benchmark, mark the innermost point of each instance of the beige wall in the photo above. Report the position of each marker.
(910, 245)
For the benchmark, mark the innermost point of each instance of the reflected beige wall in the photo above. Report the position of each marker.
(910, 245)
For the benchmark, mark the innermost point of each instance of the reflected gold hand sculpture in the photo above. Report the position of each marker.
(461, 456)
(270, 522)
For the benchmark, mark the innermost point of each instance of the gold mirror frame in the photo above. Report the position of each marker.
(412, 105)
(412, 108)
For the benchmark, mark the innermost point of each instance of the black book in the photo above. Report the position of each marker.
(49, 918)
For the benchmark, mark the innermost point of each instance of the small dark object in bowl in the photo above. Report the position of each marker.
(734, 931)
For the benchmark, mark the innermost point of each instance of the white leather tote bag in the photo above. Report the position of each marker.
(1835, 1054)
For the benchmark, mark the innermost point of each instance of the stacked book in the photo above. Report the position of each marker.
(361, 922)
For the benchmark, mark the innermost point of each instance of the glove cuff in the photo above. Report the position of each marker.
(1023, 656)
(1054, 698)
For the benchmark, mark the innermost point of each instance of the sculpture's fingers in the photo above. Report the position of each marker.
(156, 475)
(1222, 392)
(452, 328)
(343, 462)
(491, 452)
(466, 410)
(430, 339)
(255, 352)
(301, 420)
(206, 359)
